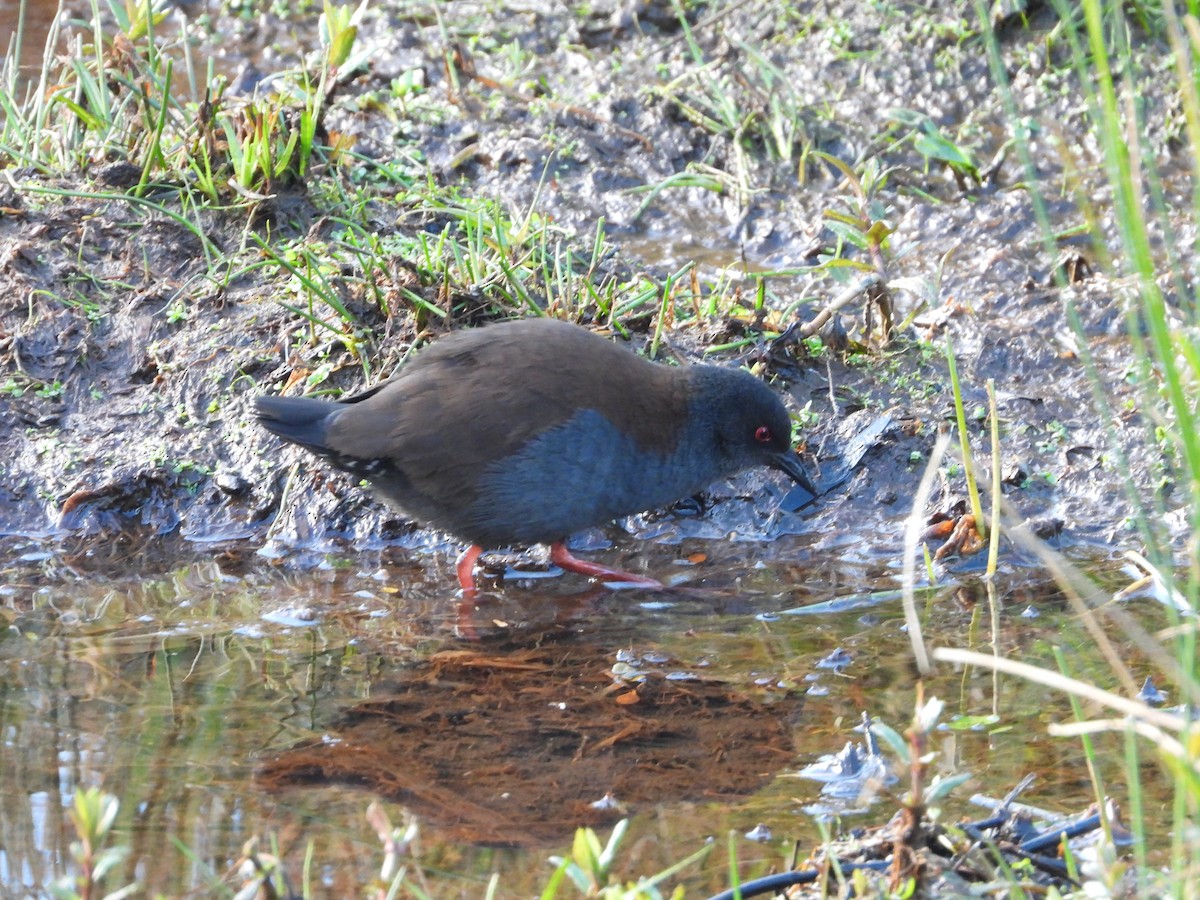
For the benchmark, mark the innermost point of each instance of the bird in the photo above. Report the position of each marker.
(526, 431)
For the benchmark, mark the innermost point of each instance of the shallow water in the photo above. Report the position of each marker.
(224, 704)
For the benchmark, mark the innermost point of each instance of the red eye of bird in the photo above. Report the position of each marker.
(762, 434)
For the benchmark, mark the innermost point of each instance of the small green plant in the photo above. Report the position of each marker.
(262, 873)
(590, 869)
(137, 19)
(936, 146)
(862, 224)
(93, 813)
(914, 753)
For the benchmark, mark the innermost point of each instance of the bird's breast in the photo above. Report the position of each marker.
(582, 473)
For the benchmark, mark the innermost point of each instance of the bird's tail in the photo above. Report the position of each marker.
(301, 420)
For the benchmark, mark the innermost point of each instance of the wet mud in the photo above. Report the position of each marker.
(126, 413)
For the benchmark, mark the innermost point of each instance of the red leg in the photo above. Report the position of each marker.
(465, 566)
(561, 557)
(466, 569)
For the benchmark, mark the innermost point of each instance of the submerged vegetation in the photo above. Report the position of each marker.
(1015, 256)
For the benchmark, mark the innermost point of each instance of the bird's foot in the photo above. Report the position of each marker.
(561, 557)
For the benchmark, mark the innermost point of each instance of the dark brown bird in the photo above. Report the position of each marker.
(525, 432)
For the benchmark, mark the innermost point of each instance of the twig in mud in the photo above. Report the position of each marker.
(870, 285)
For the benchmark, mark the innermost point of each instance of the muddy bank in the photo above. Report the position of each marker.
(131, 344)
